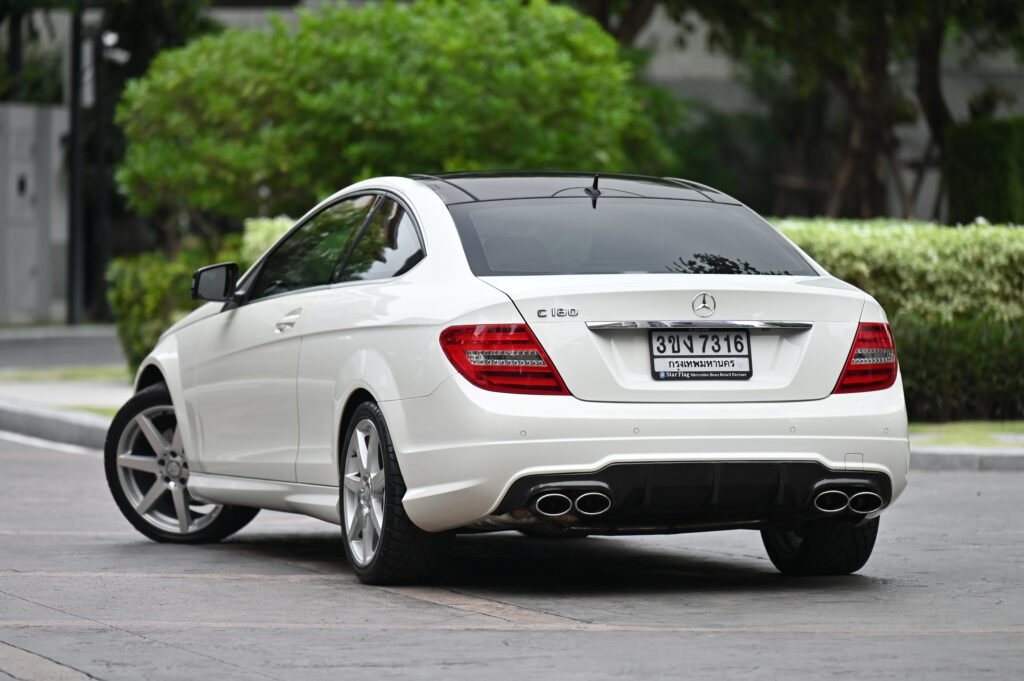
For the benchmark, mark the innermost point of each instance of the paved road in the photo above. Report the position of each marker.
(82, 596)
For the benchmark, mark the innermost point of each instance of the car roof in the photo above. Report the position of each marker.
(454, 188)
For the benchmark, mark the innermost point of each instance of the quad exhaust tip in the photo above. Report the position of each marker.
(865, 502)
(593, 503)
(832, 501)
(556, 504)
(553, 504)
(836, 501)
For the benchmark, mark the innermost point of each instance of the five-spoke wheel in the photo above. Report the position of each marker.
(148, 472)
(363, 491)
(383, 546)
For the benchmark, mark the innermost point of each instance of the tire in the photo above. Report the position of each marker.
(147, 472)
(381, 544)
(821, 547)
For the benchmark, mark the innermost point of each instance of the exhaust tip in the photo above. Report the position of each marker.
(831, 501)
(553, 505)
(865, 502)
(593, 503)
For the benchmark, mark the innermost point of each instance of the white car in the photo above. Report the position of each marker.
(556, 353)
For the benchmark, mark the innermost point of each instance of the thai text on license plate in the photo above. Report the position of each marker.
(701, 354)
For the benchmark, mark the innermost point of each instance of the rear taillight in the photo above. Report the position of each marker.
(871, 364)
(502, 357)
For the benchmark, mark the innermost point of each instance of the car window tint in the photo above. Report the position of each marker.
(613, 235)
(311, 255)
(388, 247)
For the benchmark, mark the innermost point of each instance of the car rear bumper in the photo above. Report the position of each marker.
(462, 449)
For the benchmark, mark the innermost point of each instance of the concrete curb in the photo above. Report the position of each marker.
(937, 458)
(22, 333)
(69, 427)
(90, 430)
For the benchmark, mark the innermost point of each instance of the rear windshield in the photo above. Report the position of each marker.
(572, 236)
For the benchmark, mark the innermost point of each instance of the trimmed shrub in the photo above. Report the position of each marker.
(251, 121)
(961, 369)
(147, 293)
(922, 269)
(956, 301)
(984, 170)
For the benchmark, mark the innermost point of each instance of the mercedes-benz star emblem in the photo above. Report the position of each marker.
(703, 305)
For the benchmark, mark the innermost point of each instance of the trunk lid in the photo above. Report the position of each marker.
(597, 330)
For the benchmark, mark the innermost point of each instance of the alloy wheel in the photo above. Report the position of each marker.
(363, 484)
(153, 472)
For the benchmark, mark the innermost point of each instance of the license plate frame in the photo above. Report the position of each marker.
(700, 354)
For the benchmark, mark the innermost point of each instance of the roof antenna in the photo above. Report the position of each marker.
(593, 192)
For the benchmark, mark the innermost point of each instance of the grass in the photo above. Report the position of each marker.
(102, 372)
(966, 433)
(108, 412)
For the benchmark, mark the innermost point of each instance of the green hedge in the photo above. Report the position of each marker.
(928, 270)
(984, 170)
(961, 369)
(955, 297)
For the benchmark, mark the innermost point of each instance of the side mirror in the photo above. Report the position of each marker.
(215, 283)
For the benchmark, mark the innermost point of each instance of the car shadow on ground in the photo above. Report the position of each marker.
(508, 563)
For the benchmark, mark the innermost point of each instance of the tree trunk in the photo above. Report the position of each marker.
(929, 73)
(871, 141)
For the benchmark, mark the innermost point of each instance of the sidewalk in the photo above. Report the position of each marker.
(46, 409)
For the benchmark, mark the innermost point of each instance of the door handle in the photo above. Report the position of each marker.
(288, 321)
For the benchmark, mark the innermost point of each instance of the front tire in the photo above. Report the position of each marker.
(821, 547)
(382, 545)
(147, 471)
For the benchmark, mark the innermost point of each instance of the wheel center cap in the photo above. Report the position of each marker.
(174, 469)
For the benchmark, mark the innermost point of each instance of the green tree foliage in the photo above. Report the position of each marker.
(851, 48)
(147, 293)
(266, 122)
(985, 170)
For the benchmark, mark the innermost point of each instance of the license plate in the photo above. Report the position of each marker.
(701, 354)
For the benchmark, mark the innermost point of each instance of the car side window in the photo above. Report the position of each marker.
(311, 255)
(388, 247)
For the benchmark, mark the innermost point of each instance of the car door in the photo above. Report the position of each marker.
(353, 321)
(245, 389)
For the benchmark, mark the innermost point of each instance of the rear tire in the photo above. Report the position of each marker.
(382, 544)
(147, 471)
(821, 547)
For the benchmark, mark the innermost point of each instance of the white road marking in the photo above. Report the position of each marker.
(47, 444)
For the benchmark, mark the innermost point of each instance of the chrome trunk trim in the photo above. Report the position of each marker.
(706, 324)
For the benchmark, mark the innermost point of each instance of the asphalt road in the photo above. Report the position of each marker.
(82, 596)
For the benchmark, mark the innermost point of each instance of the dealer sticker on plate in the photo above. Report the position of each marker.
(701, 354)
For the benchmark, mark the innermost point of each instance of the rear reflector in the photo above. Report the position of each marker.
(871, 364)
(503, 358)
